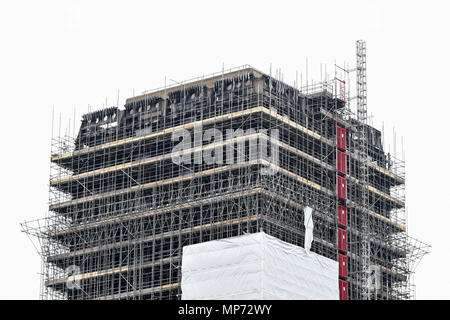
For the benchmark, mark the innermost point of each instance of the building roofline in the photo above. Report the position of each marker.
(207, 80)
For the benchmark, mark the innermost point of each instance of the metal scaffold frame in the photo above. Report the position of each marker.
(121, 209)
(363, 160)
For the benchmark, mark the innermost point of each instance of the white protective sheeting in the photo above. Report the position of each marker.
(309, 226)
(256, 266)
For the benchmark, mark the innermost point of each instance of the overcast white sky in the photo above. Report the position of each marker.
(71, 54)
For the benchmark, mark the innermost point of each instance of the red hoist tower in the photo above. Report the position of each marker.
(341, 182)
(341, 186)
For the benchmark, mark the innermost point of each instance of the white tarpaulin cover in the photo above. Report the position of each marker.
(309, 226)
(256, 266)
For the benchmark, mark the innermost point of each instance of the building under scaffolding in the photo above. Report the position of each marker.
(121, 208)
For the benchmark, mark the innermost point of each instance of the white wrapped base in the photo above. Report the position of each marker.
(256, 267)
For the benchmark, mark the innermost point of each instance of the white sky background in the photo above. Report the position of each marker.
(71, 54)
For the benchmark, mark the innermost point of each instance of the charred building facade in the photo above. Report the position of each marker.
(124, 200)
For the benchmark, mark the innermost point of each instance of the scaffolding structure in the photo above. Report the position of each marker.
(361, 116)
(121, 209)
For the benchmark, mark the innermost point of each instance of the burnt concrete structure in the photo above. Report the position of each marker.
(121, 209)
